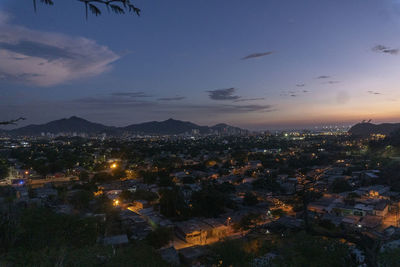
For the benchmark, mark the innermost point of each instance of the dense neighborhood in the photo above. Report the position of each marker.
(202, 200)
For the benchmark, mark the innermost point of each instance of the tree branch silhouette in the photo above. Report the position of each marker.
(12, 121)
(94, 6)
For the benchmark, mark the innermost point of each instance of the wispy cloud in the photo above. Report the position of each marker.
(332, 82)
(176, 98)
(131, 94)
(257, 55)
(385, 50)
(249, 99)
(301, 85)
(294, 93)
(374, 92)
(223, 94)
(323, 77)
(46, 58)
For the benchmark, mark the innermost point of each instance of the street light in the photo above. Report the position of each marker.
(113, 166)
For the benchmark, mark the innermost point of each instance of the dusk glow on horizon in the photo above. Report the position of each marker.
(258, 65)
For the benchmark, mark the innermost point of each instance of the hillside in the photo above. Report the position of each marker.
(78, 125)
(366, 129)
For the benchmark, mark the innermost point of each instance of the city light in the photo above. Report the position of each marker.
(113, 166)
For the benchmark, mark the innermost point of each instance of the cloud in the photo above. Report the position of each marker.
(385, 50)
(373, 93)
(46, 58)
(223, 109)
(300, 85)
(223, 94)
(249, 99)
(131, 94)
(323, 77)
(257, 55)
(294, 93)
(332, 82)
(127, 104)
(249, 108)
(176, 98)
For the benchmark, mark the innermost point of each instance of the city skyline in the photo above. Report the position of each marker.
(263, 65)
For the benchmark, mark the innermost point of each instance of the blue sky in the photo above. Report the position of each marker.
(255, 64)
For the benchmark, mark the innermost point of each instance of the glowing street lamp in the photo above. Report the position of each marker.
(116, 202)
(113, 166)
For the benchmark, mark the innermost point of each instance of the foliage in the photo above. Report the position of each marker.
(102, 177)
(248, 221)
(144, 195)
(149, 177)
(277, 212)
(268, 183)
(209, 202)
(340, 185)
(250, 199)
(172, 203)
(159, 237)
(306, 250)
(3, 169)
(237, 252)
(40, 228)
(12, 121)
(391, 175)
(80, 200)
(115, 6)
(84, 176)
(389, 258)
(136, 255)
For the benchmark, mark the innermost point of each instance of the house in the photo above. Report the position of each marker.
(381, 208)
(254, 164)
(170, 255)
(45, 192)
(201, 232)
(193, 231)
(370, 221)
(116, 240)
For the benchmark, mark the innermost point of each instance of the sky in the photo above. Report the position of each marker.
(261, 64)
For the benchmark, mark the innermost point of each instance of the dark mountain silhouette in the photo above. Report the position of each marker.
(222, 127)
(169, 126)
(70, 125)
(78, 125)
(366, 129)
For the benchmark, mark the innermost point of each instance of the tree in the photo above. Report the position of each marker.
(159, 237)
(80, 200)
(389, 257)
(306, 250)
(3, 169)
(248, 221)
(340, 185)
(94, 6)
(11, 121)
(250, 199)
(209, 202)
(172, 203)
(84, 176)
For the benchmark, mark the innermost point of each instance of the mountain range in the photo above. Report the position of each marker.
(78, 125)
(365, 129)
